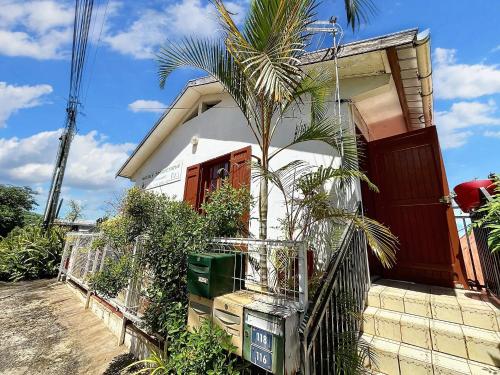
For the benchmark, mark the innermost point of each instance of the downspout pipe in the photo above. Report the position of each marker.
(423, 47)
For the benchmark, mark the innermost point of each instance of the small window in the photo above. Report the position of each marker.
(213, 175)
(205, 106)
(192, 115)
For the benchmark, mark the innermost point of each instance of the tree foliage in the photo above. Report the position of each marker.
(15, 204)
(31, 253)
(314, 197)
(75, 211)
(491, 219)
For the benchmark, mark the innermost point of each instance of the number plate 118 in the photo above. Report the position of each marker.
(262, 338)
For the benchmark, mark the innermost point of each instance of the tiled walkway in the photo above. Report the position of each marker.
(417, 329)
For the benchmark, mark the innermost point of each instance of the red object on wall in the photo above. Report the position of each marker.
(468, 193)
(240, 167)
(192, 184)
(310, 263)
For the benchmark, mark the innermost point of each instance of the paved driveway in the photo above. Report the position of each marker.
(45, 330)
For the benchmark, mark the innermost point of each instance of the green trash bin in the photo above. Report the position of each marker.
(214, 274)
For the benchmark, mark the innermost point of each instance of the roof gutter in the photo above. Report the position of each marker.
(423, 47)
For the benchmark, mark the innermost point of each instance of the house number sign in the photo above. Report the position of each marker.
(261, 348)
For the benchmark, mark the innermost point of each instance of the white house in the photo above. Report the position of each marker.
(386, 91)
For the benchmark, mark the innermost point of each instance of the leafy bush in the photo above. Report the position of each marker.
(491, 220)
(115, 232)
(206, 351)
(113, 277)
(31, 253)
(172, 230)
(225, 210)
(176, 231)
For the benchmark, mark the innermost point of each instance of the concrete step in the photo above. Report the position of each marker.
(452, 305)
(396, 358)
(441, 336)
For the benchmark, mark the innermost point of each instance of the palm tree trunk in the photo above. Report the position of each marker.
(263, 208)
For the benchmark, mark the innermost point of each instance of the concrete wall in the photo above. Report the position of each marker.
(135, 340)
(221, 130)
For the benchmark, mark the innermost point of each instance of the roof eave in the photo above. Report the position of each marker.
(348, 49)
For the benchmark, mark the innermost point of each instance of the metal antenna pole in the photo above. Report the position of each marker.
(332, 27)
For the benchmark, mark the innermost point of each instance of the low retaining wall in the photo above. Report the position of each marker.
(134, 339)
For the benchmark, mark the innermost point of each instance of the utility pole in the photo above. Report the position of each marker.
(81, 27)
(62, 157)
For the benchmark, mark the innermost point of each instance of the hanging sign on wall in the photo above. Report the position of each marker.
(167, 175)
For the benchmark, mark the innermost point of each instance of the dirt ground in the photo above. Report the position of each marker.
(44, 329)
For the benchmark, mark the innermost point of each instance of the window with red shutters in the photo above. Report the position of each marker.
(203, 178)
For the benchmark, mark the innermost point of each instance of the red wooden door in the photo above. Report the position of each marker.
(409, 171)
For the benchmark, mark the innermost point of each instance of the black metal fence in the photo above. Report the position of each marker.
(490, 262)
(331, 324)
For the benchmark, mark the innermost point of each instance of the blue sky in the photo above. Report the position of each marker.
(121, 98)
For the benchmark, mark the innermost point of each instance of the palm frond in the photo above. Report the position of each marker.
(329, 131)
(210, 56)
(283, 178)
(382, 242)
(317, 179)
(268, 48)
(318, 86)
(358, 11)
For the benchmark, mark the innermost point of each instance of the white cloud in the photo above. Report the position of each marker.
(38, 29)
(153, 27)
(453, 80)
(147, 106)
(492, 134)
(13, 98)
(43, 29)
(455, 126)
(92, 163)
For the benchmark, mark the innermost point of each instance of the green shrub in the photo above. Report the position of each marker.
(491, 220)
(206, 351)
(113, 278)
(31, 253)
(172, 230)
(225, 210)
(176, 231)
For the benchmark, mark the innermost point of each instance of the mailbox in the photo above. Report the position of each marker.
(228, 314)
(271, 335)
(213, 274)
(199, 308)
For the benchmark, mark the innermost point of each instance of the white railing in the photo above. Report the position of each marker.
(286, 268)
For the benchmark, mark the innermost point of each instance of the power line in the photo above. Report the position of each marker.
(95, 52)
(81, 27)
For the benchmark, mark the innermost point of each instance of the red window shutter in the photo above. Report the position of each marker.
(240, 167)
(240, 174)
(191, 187)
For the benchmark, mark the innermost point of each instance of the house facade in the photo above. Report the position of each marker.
(386, 99)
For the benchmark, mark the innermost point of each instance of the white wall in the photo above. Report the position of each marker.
(221, 130)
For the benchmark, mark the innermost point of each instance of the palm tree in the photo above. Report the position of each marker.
(309, 206)
(259, 66)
